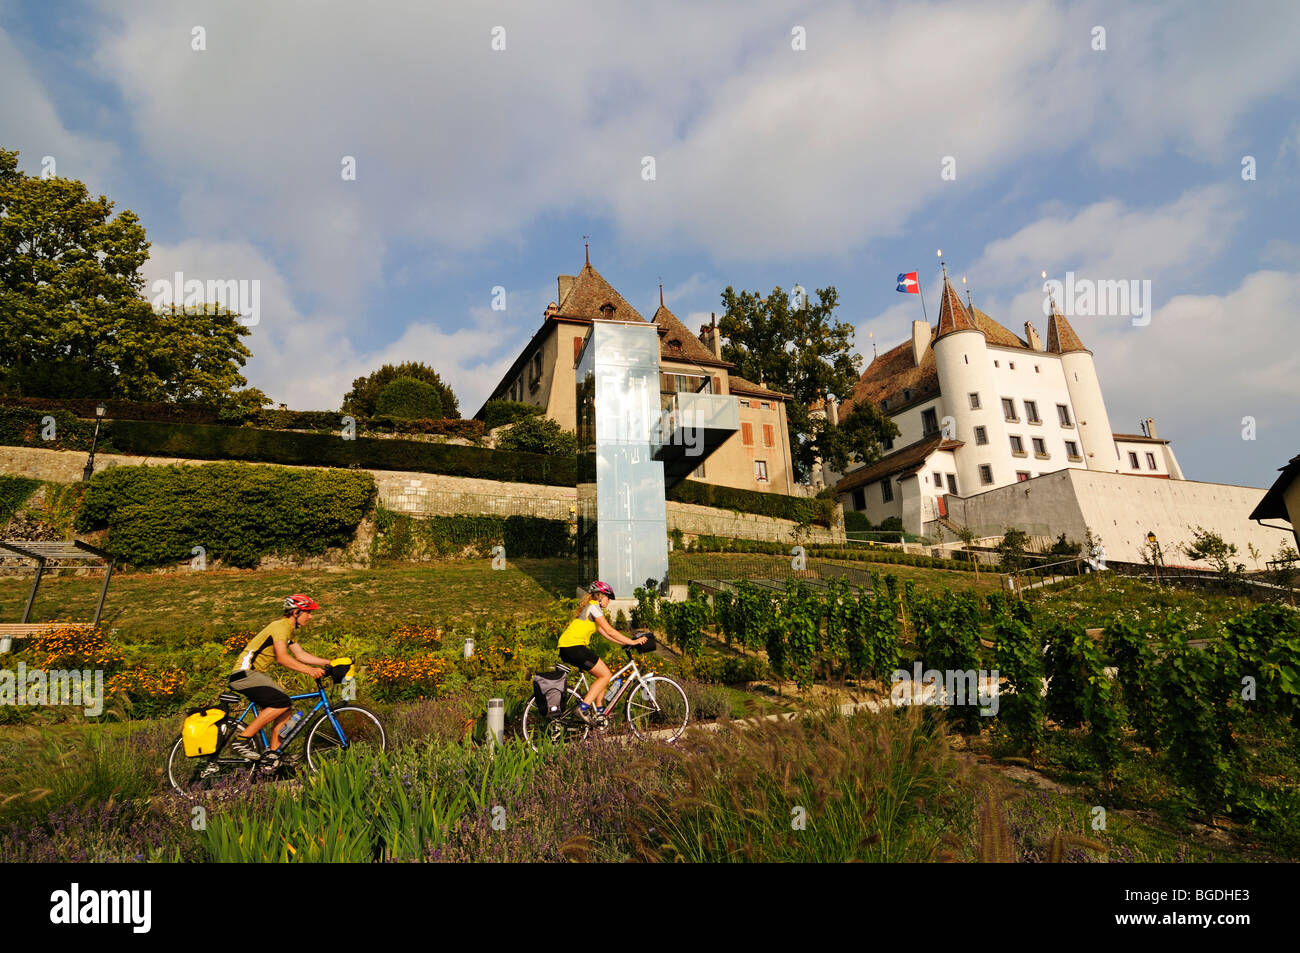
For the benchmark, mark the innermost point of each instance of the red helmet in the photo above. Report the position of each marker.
(599, 588)
(305, 603)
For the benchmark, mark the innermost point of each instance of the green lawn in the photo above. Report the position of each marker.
(145, 603)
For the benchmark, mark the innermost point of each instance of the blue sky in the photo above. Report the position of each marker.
(480, 167)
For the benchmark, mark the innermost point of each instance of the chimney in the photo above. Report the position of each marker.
(920, 341)
(1151, 428)
(833, 411)
(1032, 337)
(714, 341)
(566, 283)
(551, 309)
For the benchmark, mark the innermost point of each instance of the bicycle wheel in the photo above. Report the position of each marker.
(361, 730)
(190, 777)
(658, 707)
(559, 730)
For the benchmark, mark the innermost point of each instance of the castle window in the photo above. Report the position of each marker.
(986, 474)
(760, 471)
(1017, 446)
(966, 358)
(1031, 412)
(981, 435)
(1022, 476)
(888, 444)
(1035, 368)
(1072, 450)
(907, 394)
(1040, 447)
(974, 401)
(952, 483)
(938, 481)
(1063, 412)
(769, 437)
(929, 421)
(1011, 364)
(1133, 460)
(859, 499)
(1151, 461)
(1009, 409)
(996, 364)
(886, 491)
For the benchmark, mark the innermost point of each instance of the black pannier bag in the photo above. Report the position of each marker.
(548, 691)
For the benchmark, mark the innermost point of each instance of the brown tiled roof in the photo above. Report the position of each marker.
(1061, 338)
(677, 343)
(906, 461)
(589, 293)
(739, 385)
(995, 333)
(892, 373)
(952, 314)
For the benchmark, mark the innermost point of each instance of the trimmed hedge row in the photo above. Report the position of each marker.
(797, 508)
(332, 421)
(120, 409)
(867, 553)
(399, 536)
(323, 450)
(237, 512)
(24, 427)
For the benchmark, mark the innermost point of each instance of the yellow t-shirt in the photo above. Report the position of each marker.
(256, 656)
(581, 629)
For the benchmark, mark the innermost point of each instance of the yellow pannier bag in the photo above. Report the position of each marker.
(202, 732)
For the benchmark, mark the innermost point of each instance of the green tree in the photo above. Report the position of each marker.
(362, 399)
(74, 321)
(1210, 547)
(1011, 550)
(801, 349)
(538, 435)
(409, 399)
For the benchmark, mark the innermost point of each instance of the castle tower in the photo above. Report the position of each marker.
(964, 366)
(1095, 435)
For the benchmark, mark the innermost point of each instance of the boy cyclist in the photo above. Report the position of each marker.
(250, 678)
(575, 646)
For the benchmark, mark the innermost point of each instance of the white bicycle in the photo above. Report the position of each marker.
(656, 708)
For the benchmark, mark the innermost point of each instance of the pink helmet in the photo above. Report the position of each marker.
(599, 588)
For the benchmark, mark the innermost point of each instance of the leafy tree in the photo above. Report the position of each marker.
(74, 321)
(539, 435)
(802, 350)
(409, 399)
(498, 413)
(1210, 547)
(1011, 551)
(362, 399)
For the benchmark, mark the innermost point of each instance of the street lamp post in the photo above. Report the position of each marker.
(1155, 554)
(90, 462)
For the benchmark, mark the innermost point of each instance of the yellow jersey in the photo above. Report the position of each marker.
(255, 656)
(581, 629)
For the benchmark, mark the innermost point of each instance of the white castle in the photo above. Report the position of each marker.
(978, 409)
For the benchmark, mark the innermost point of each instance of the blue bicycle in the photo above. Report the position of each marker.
(330, 731)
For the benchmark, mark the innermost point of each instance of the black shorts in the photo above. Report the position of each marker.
(260, 689)
(581, 656)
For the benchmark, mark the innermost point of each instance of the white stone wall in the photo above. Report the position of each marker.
(1122, 509)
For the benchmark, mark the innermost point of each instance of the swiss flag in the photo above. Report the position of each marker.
(907, 283)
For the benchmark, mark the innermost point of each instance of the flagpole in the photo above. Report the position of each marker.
(921, 292)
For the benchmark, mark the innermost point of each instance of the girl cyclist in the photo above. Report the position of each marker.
(575, 648)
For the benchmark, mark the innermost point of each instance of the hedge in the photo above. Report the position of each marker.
(330, 421)
(866, 553)
(310, 449)
(120, 409)
(24, 427)
(801, 509)
(400, 536)
(14, 491)
(237, 512)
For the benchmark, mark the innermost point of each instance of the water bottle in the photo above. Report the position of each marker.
(287, 731)
(612, 690)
